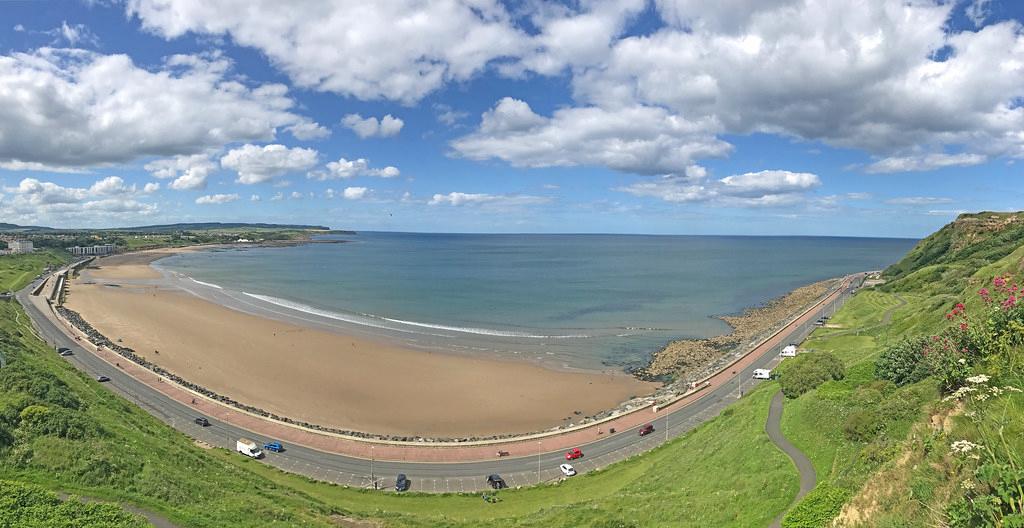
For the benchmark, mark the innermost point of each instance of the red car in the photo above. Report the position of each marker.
(574, 454)
(647, 429)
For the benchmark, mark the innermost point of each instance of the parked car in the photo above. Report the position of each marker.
(275, 447)
(647, 429)
(66, 352)
(496, 481)
(102, 379)
(202, 422)
(401, 482)
(573, 454)
(567, 470)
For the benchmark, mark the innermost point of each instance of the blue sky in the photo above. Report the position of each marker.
(667, 116)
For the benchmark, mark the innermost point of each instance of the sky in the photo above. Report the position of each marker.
(748, 117)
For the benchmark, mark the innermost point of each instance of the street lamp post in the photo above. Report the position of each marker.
(538, 461)
(373, 479)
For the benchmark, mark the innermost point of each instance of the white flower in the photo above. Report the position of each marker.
(1012, 389)
(980, 378)
(959, 393)
(962, 361)
(962, 447)
(967, 484)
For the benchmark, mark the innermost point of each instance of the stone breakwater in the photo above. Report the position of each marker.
(99, 340)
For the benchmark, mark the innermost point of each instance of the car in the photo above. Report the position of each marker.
(496, 481)
(65, 352)
(102, 379)
(275, 447)
(567, 470)
(573, 454)
(401, 482)
(647, 429)
(201, 421)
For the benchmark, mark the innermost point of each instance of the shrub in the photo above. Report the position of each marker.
(904, 362)
(807, 371)
(38, 420)
(817, 509)
(862, 425)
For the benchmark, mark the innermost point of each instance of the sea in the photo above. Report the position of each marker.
(571, 301)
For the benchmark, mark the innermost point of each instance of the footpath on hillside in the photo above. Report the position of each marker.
(808, 478)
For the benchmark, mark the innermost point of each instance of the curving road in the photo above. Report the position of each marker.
(427, 477)
(808, 477)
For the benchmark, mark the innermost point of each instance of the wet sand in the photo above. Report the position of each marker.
(331, 379)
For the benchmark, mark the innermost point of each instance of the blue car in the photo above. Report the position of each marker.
(273, 447)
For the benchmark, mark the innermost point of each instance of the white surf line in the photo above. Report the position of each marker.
(260, 310)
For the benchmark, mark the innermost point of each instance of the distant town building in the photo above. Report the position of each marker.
(20, 246)
(92, 251)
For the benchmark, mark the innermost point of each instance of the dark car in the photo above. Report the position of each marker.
(64, 351)
(401, 482)
(102, 379)
(202, 422)
(496, 482)
(647, 429)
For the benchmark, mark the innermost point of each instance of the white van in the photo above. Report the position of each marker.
(762, 374)
(789, 351)
(248, 448)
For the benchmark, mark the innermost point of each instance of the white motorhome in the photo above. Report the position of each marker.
(789, 351)
(762, 374)
(248, 448)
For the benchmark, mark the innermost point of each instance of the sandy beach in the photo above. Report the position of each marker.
(331, 379)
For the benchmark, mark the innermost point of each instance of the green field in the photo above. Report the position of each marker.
(18, 270)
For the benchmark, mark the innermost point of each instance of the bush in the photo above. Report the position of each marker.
(25, 505)
(904, 362)
(807, 371)
(817, 509)
(862, 425)
(38, 420)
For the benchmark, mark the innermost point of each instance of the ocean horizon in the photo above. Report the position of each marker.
(588, 301)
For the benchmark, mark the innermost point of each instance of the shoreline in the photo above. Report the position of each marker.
(341, 382)
(690, 359)
(753, 322)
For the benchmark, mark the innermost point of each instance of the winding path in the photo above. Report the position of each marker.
(808, 478)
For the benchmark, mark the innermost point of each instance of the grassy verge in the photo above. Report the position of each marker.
(18, 270)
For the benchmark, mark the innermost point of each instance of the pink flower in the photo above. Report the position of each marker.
(960, 306)
(983, 292)
(998, 282)
(963, 326)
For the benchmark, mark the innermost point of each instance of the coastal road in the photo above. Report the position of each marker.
(432, 476)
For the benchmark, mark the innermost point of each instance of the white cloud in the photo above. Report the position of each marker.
(925, 162)
(345, 169)
(111, 185)
(151, 187)
(109, 198)
(638, 139)
(768, 188)
(255, 164)
(768, 182)
(387, 126)
(457, 199)
(296, 195)
(889, 77)
(415, 46)
(75, 34)
(355, 193)
(278, 196)
(216, 198)
(75, 108)
(254, 198)
(447, 115)
(977, 11)
(190, 172)
(308, 130)
(919, 200)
